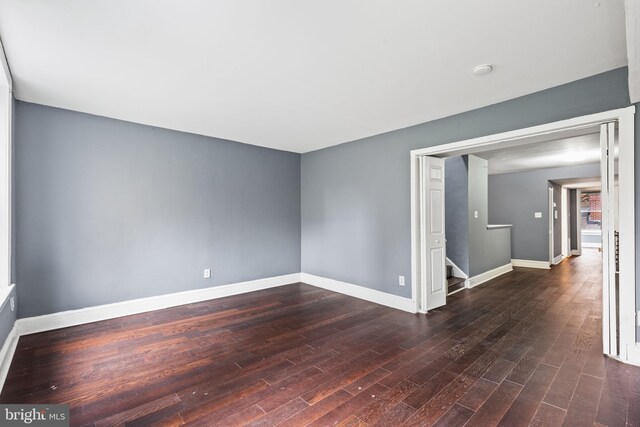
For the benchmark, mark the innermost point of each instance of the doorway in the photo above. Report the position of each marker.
(427, 277)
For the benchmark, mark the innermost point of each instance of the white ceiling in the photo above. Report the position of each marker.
(298, 75)
(579, 150)
(587, 184)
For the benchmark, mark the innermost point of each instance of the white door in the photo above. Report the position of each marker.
(433, 274)
(608, 200)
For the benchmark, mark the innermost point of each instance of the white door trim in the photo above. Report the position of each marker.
(564, 224)
(552, 257)
(625, 119)
(609, 206)
(578, 214)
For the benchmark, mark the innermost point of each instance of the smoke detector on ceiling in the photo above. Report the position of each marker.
(483, 69)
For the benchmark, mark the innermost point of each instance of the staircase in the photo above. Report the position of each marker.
(453, 283)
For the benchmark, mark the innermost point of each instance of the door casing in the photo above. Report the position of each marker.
(625, 120)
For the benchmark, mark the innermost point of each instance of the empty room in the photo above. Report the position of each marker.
(261, 213)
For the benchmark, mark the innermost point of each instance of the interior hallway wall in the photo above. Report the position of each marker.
(356, 219)
(514, 198)
(109, 211)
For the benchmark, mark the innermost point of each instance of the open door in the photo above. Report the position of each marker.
(608, 200)
(433, 273)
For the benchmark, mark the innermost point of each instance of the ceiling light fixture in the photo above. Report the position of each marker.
(483, 69)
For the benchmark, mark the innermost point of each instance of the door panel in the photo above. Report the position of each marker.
(607, 197)
(433, 248)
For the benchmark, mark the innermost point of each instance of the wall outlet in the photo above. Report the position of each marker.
(537, 214)
(475, 214)
(12, 301)
(401, 280)
(207, 273)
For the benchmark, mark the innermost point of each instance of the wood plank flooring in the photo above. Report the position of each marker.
(524, 349)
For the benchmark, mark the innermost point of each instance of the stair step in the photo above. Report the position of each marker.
(454, 283)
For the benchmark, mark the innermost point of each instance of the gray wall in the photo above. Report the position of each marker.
(457, 211)
(355, 196)
(488, 249)
(7, 318)
(108, 211)
(514, 197)
(557, 222)
(574, 214)
(470, 245)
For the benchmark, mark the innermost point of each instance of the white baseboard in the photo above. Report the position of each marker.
(64, 319)
(378, 297)
(528, 263)
(457, 272)
(576, 252)
(488, 275)
(633, 354)
(6, 354)
(557, 260)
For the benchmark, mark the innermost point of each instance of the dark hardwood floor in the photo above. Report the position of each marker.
(524, 349)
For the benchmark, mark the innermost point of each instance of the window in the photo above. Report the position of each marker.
(591, 211)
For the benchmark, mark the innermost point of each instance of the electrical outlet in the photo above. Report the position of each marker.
(401, 280)
(207, 273)
(537, 214)
(475, 214)
(12, 301)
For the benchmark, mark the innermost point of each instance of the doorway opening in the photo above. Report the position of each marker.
(429, 240)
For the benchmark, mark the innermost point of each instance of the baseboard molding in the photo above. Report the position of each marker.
(576, 252)
(65, 319)
(6, 354)
(47, 322)
(557, 260)
(528, 263)
(488, 275)
(378, 297)
(457, 271)
(633, 354)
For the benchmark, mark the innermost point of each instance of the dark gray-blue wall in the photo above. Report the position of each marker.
(356, 221)
(574, 214)
(515, 197)
(107, 211)
(488, 249)
(456, 198)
